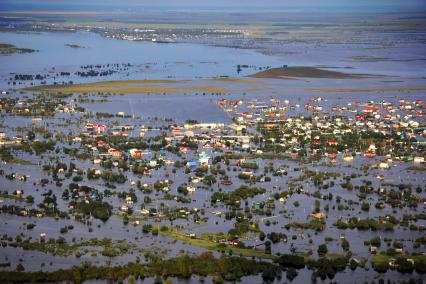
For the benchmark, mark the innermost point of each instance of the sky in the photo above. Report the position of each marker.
(343, 5)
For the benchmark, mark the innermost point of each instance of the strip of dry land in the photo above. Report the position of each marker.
(130, 87)
(305, 72)
(342, 90)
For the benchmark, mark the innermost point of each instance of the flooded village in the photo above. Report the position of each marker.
(144, 168)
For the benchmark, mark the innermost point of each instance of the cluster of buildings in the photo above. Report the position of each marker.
(366, 129)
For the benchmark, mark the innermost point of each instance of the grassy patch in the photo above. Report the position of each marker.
(416, 168)
(210, 245)
(20, 162)
(10, 196)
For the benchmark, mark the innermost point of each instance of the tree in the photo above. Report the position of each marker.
(345, 244)
(30, 199)
(158, 280)
(365, 206)
(322, 250)
(20, 267)
(353, 264)
(268, 247)
(403, 265)
(291, 273)
(77, 275)
(269, 274)
(30, 135)
(184, 266)
(375, 241)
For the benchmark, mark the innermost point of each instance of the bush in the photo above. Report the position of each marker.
(291, 260)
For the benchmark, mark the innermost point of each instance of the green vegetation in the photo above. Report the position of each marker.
(99, 210)
(8, 49)
(6, 156)
(211, 245)
(225, 268)
(402, 263)
(110, 176)
(59, 247)
(234, 197)
(316, 225)
(364, 224)
(41, 147)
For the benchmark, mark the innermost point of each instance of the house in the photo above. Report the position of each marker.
(190, 189)
(372, 249)
(153, 163)
(192, 164)
(418, 160)
(135, 153)
(348, 158)
(384, 165)
(318, 216)
(100, 128)
(116, 154)
(204, 126)
(168, 138)
(234, 243)
(226, 182)
(332, 142)
(176, 132)
(203, 158)
(370, 154)
(360, 117)
(89, 127)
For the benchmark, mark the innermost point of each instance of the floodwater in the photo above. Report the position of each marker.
(164, 60)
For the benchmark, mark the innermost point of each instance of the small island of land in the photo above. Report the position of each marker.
(74, 45)
(8, 49)
(304, 72)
